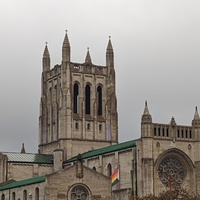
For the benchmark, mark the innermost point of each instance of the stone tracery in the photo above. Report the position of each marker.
(79, 193)
(171, 172)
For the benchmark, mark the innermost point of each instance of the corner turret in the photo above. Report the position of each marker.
(146, 122)
(146, 117)
(196, 119)
(196, 125)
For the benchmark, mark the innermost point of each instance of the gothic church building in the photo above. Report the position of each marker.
(78, 142)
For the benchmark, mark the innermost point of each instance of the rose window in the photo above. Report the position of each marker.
(171, 172)
(79, 193)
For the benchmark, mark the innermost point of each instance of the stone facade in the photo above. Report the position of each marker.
(78, 115)
(78, 104)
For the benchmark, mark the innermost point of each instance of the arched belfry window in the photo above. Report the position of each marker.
(79, 193)
(76, 92)
(87, 100)
(109, 168)
(99, 100)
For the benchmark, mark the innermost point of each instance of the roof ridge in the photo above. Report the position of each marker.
(20, 183)
(104, 150)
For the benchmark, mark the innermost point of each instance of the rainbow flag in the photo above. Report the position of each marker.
(115, 177)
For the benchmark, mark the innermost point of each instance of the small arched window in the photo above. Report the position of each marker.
(94, 168)
(25, 195)
(3, 197)
(76, 92)
(109, 170)
(76, 125)
(37, 194)
(87, 100)
(88, 126)
(13, 196)
(99, 100)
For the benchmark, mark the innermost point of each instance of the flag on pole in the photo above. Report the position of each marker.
(115, 177)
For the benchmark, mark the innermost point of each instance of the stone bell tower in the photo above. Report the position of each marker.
(78, 108)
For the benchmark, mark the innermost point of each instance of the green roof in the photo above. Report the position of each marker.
(29, 158)
(105, 150)
(29, 181)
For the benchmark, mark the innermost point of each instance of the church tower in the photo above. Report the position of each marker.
(78, 108)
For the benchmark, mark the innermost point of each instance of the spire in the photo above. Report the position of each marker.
(109, 47)
(146, 117)
(23, 149)
(146, 110)
(66, 40)
(46, 52)
(66, 49)
(109, 55)
(46, 59)
(196, 114)
(88, 57)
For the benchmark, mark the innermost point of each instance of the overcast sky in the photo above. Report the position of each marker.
(156, 45)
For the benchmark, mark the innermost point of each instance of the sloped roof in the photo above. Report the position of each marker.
(29, 181)
(105, 150)
(29, 158)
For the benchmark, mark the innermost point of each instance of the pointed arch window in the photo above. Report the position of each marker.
(94, 168)
(109, 170)
(99, 100)
(87, 100)
(3, 197)
(37, 193)
(13, 196)
(76, 93)
(25, 195)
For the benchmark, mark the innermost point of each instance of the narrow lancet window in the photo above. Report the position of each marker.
(109, 168)
(99, 96)
(87, 100)
(75, 98)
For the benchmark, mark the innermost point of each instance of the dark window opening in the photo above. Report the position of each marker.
(163, 132)
(25, 195)
(76, 125)
(109, 170)
(94, 168)
(75, 98)
(99, 96)
(3, 197)
(100, 127)
(154, 131)
(186, 133)
(190, 134)
(13, 196)
(37, 194)
(158, 131)
(182, 133)
(88, 126)
(178, 133)
(87, 100)
(167, 132)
